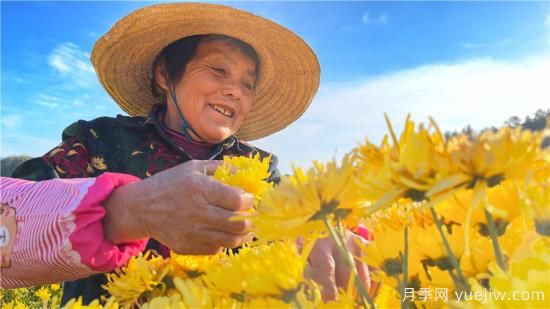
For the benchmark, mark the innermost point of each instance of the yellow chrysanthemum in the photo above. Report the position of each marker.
(344, 300)
(305, 297)
(141, 274)
(191, 266)
(11, 304)
(387, 297)
(267, 270)
(525, 284)
(249, 174)
(537, 202)
(55, 287)
(194, 294)
(418, 166)
(385, 254)
(373, 177)
(430, 245)
(298, 205)
(267, 302)
(398, 215)
(43, 294)
(434, 257)
(422, 163)
(502, 201)
(494, 156)
(509, 153)
(475, 262)
(76, 303)
(161, 302)
(55, 302)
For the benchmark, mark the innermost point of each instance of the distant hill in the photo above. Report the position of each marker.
(8, 164)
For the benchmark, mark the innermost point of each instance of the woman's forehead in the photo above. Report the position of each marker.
(222, 50)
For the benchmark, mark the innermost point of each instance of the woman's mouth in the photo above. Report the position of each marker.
(222, 110)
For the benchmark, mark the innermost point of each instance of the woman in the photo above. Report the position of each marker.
(196, 79)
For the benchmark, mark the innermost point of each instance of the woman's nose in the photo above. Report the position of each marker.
(232, 88)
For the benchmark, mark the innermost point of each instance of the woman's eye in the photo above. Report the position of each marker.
(220, 71)
(248, 86)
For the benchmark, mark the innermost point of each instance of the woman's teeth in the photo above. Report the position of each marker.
(222, 110)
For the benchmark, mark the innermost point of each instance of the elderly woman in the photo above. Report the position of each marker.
(196, 79)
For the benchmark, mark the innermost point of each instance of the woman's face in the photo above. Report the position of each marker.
(215, 93)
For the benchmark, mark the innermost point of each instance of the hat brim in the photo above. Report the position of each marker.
(289, 70)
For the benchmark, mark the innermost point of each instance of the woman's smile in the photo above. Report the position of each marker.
(215, 93)
(224, 110)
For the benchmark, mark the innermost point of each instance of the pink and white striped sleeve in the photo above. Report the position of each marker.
(51, 231)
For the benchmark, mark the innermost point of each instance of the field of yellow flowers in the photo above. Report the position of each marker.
(462, 222)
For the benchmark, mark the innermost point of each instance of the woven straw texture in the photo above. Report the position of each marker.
(289, 72)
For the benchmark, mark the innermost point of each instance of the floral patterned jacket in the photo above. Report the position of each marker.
(139, 146)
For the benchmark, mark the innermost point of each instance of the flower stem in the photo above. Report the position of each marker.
(296, 302)
(349, 260)
(452, 257)
(494, 240)
(405, 261)
(453, 276)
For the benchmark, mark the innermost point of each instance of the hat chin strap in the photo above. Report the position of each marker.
(185, 125)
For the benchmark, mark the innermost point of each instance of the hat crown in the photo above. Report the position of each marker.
(289, 75)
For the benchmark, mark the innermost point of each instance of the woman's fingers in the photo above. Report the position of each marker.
(323, 269)
(343, 272)
(226, 240)
(228, 197)
(220, 219)
(329, 269)
(362, 267)
(191, 212)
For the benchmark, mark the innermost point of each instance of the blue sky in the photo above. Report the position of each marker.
(463, 63)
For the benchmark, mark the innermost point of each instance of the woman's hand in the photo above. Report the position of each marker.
(183, 208)
(328, 268)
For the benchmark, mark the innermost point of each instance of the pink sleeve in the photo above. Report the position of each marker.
(51, 231)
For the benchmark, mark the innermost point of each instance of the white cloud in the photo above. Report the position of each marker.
(49, 101)
(81, 100)
(10, 121)
(479, 92)
(73, 63)
(367, 18)
(493, 44)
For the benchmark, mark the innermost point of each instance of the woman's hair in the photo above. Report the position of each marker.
(175, 57)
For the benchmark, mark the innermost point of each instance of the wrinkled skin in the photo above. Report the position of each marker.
(153, 208)
(184, 208)
(219, 77)
(328, 268)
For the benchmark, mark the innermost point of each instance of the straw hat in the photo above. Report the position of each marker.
(289, 72)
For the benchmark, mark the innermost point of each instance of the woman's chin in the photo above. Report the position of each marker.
(216, 136)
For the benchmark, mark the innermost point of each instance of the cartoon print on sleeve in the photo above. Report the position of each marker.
(8, 229)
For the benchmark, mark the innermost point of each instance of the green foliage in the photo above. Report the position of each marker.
(537, 123)
(9, 298)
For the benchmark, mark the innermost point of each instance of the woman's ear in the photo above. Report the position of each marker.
(160, 77)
